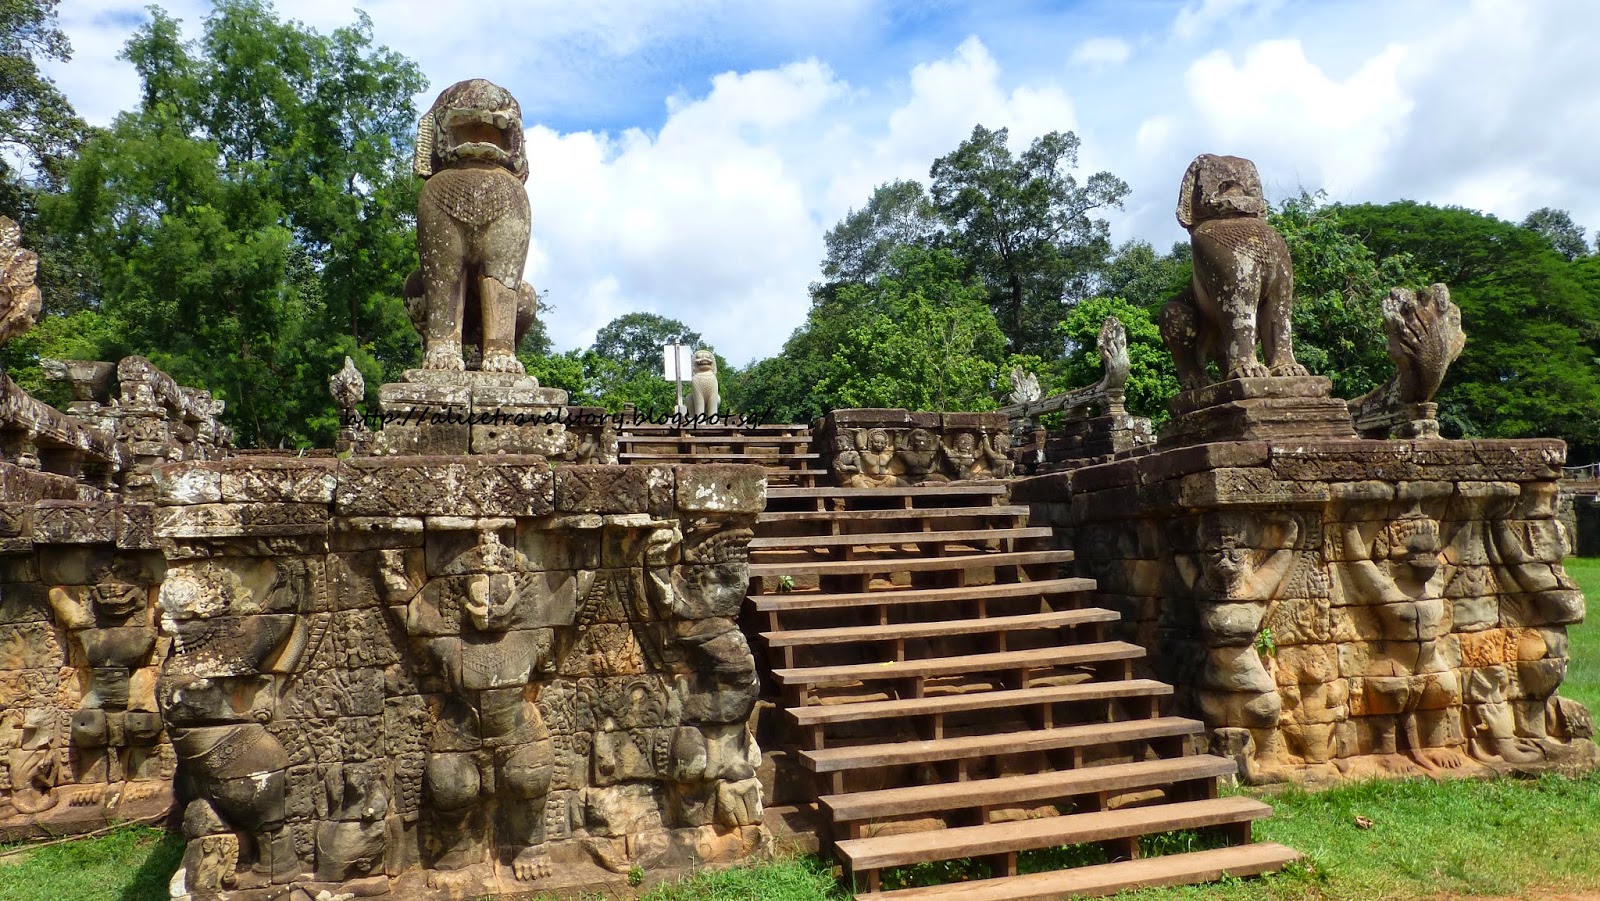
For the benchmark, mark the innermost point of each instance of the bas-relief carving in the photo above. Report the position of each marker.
(1405, 628)
(1243, 286)
(506, 703)
(881, 458)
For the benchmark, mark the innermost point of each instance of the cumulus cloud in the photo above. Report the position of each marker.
(1101, 52)
(703, 198)
(717, 219)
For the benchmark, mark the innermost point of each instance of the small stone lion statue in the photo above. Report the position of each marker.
(1243, 285)
(472, 230)
(705, 399)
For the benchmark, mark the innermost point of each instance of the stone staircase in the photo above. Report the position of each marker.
(785, 450)
(951, 698)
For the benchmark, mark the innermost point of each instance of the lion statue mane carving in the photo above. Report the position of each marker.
(1243, 285)
(472, 230)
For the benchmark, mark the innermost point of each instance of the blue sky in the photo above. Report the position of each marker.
(688, 155)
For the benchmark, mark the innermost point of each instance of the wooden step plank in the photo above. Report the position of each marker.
(1103, 879)
(718, 456)
(876, 539)
(951, 489)
(751, 440)
(833, 760)
(895, 513)
(824, 714)
(800, 600)
(1026, 788)
(910, 564)
(1070, 655)
(1046, 832)
(896, 631)
(651, 428)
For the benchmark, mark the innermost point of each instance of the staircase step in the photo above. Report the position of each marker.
(908, 564)
(1046, 832)
(1030, 787)
(899, 753)
(714, 456)
(871, 539)
(1093, 652)
(1109, 878)
(896, 631)
(896, 513)
(818, 601)
(826, 714)
(748, 440)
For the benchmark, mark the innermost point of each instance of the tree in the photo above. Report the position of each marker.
(623, 365)
(1532, 320)
(1022, 224)
(1339, 286)
(250, 223)
(897, 215)
(36, 121)
(1152, 378)
(918, 336)
(1143, 277)
(1558, 228)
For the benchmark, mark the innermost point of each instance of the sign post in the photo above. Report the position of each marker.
(673, 365)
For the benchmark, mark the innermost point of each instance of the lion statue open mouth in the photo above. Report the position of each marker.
(472, 230)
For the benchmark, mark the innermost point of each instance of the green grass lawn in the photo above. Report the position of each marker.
(1524, 838)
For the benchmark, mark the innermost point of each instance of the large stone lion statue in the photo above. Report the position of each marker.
(1243, 286)
(472, 230)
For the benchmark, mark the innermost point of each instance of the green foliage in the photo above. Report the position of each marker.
(1531, 316)
(1556, 227)
(1144, 277)
(859, 247)
(132, 864)
(1152, 379)
(249, 225)
(1339, 286)
(623, 366)
(1022, 224)
(1582, 682)
(918, 336)
(36, 121)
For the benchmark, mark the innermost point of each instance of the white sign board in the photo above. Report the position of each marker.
(685, 368)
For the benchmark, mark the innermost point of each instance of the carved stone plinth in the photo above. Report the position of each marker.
(1084, 442)
(1256, 409)
(445, 677)
(439, 412)
(1339, 608)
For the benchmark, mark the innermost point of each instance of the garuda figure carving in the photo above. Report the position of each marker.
(472, 229)
(1243, 285)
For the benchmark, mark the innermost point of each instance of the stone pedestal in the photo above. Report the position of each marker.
(435, 412)
(1338, 608)
(1257, 409)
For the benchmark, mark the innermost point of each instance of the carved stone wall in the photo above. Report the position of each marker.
(81, 737)
(1335, 608)
(456, 677)
(879, 448)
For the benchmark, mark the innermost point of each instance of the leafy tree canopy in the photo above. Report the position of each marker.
(250, 223)
(1022, 224)
(1557, 227)
(1531, 318)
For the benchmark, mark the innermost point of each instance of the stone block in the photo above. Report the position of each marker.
(721, 488)
(602, 489)
(413, 486)
(74, 522)
(253, 479)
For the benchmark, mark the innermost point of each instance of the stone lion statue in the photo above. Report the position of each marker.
(706, 398)
(1243, 285)
(472, 230)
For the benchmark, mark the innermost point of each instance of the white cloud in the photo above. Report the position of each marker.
(717, 219)
(1198, 18)
(1098, 52)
